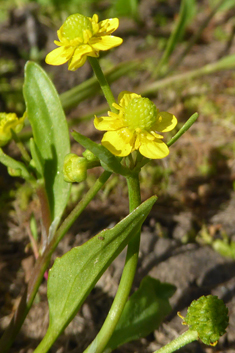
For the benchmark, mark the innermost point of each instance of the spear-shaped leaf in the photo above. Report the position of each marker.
(51, 136)
(74, 275)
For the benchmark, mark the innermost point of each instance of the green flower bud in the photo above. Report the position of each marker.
(75, 168)
(209, 317)
(14, 172)
(90, 156)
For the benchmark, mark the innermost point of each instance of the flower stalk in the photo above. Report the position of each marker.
(103, 83)
(124, 288)
(179, 342)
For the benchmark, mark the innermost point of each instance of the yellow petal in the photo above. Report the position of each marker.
(157, 136)
(58, 43)
(59, 34)
(109, 25)
(164, 122)
(125, 97)
(120, 143)
(107, 123)
(95, 18)
(74, 65)
(156, 149)
(105, 42)
(79, 56)
(95, 24)
(59, 56)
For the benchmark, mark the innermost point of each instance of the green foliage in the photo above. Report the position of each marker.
(224, 248)
(187, 13)
(90, 87)
(125, 8)
(51, 137)
(110, 162)
(79, 269)
(144, 312)
(73, 276)
(19, 167)
(225, 4)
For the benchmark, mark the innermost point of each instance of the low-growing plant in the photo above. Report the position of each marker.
(133, 130)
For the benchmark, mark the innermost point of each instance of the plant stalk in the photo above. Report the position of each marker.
(103, 83)
(181, 341)
(224, 64)
(102, 338)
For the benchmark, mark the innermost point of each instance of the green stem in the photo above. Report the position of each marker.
(184, 128)
(103, 83)
(224, 64)
(90, 87)
(101, 340)
(41, 266)
(181, 341)
(21, 147)
(80, 207)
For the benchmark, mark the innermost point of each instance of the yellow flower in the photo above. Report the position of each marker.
(9, 122)
(135, 127)
(82, 36)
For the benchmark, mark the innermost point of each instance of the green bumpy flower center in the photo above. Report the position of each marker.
(209, 317)
(140, 113)
(75, 25)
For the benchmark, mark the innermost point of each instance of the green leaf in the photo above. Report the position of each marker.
(224, 248)
(127, 8)
(183, 129)
(73, 276)
(187, 12)
(225, 4)
(51, 137)
(36, 159)
(111, 163)
(144, 312)
(16, 165)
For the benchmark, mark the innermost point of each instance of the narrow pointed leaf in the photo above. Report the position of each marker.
(74, 275)
(187, 12)
(144, 312)
(50, 132)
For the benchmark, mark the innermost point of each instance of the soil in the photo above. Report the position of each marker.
(195, 184)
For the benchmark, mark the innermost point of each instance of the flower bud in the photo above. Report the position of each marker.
(75, 168)
(9, 122)
(209, 317)
(14, 172)
(90, 156)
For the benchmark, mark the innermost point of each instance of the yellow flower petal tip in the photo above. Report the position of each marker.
(82, 36)
(135, 127)
(9, 122)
